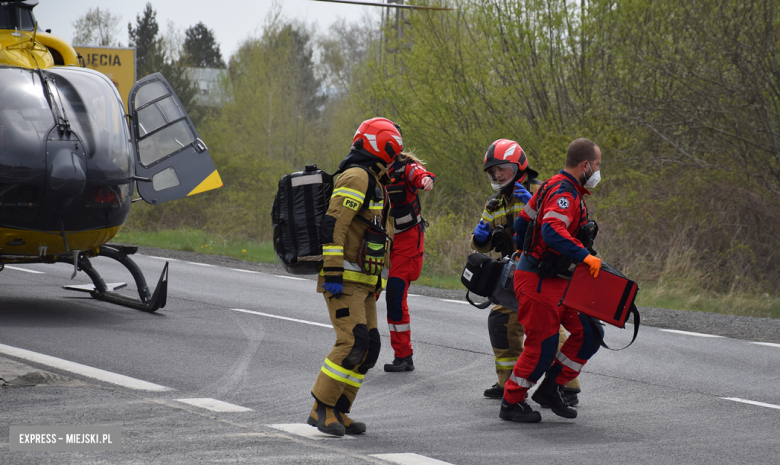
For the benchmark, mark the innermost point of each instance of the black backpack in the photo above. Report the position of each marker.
(299, 206)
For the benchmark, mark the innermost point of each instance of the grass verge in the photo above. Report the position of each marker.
(689, 296)
(192, 240)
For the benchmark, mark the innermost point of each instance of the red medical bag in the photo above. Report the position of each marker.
(609, 298)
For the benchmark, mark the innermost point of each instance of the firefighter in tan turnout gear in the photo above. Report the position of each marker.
(356, 237)
(511, 177)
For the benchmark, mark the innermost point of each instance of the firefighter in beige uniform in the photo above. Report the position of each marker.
(510, 175)
(355, 235)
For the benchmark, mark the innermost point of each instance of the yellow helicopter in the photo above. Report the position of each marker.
(70, 156)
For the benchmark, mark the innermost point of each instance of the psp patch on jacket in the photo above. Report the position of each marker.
(351, 204)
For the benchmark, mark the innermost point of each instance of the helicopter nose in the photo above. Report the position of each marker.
(67, 175)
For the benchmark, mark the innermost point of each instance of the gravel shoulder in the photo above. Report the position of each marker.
(738, 327)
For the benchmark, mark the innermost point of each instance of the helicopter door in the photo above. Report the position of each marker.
(168, 152)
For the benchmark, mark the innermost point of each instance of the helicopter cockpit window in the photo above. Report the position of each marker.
(95, 112)
(25, 119)
(149, 92)
(162, 126)
(165, 179)
(12, 17)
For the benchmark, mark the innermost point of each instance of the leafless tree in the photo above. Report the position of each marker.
(97, 27)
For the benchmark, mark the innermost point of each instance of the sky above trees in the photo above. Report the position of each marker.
(231, 27)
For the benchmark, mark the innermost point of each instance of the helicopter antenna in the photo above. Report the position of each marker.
(32, 45)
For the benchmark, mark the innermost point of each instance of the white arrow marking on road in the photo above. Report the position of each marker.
(214, 405)
(455, 301)
(770, 344)
(751, 402)
(410, 459)
(689, 333)
(84, 370)
(282, 317)
(24, 269)
(311, 432)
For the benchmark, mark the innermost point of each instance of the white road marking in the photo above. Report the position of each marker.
(770, 344)
(689, 333)
(413, 295)
(282, 317)
(214, 405)
(410, 459)
(751, 402)
(199, 264)
(24, 269)
(303, 429)
(455, 301)
(244, 271)
(84, 370)
(290, 277)
(161, 258)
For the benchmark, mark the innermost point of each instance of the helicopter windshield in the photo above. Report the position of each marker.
(25, 119)
(13, 17)
(91, 105)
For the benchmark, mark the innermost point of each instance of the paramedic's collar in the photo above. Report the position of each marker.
(580, 188)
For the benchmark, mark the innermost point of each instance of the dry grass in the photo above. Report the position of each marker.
(694, 251)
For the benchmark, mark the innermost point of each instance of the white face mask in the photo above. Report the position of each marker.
(593, 179)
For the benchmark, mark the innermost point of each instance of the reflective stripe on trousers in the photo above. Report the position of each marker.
(342, 374)
(566, 361)
(522, 382)
(399, 328)
(506, 363)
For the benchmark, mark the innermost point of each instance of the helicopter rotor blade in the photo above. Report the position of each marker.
(388, 5)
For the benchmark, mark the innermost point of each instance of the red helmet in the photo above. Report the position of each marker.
(379, 137)
(505, 151)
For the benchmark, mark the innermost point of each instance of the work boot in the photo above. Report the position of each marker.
(400, 364)
(351, 426)
(520, 411)
(495, 392)
(551, 394)
(570, 396)
(326, 420)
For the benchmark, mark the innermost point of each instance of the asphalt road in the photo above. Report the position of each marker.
(256, 341)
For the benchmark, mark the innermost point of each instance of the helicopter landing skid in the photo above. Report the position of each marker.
(147, 302)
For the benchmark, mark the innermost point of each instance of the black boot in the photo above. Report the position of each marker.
(551, 394)
(400, 364)
(570, 396)
(520, 411)
(495, 392)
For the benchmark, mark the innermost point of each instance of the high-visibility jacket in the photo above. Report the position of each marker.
(342, 231)
(500, 210)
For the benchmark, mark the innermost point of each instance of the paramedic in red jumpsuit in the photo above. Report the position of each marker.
(560, 215)
(407, 175)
